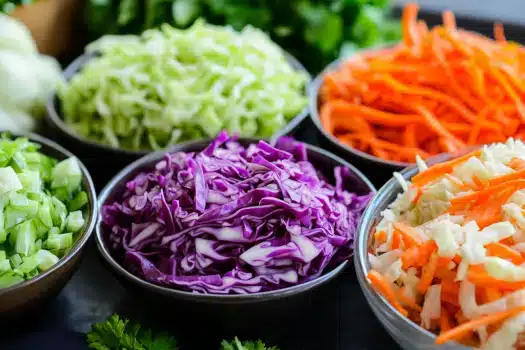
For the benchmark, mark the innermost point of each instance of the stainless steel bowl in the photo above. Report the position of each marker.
(20, 299)
(233, 310)
(379, 170)
(406, 333)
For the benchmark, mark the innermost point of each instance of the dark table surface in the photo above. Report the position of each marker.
(338, 318)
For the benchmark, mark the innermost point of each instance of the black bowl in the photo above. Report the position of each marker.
(377, 169)
(20, 300)
(108, 160)
(237, 311)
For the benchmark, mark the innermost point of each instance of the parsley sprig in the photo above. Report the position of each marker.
(120, 334)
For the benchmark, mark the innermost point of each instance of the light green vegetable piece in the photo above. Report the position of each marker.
(66, 175)
(9, 181)
(46, 259)
(74, 221)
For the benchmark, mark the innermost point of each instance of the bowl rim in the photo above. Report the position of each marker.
(53, 115)
(214, 298)
(90, 222)
(313, 103)
(361, 262)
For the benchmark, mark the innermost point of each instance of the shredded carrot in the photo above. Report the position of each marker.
(441, 90)
(516, 163)
(417, 255)
(383, 287)
(408, 234)
(429, 271)
(467, 327)
(504, 252)
(445, 321)
(462, 88)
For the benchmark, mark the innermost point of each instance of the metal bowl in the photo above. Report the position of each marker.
(406, 333)
(379, 170)
(233, 310)
(20, 299)
(116, 158)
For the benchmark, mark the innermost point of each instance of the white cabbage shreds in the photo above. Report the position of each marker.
(451, 247)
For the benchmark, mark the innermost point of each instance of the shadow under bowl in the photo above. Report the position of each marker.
(377, 169)
(406, 333)
(20, 300)
(232, 312)
(106, 160)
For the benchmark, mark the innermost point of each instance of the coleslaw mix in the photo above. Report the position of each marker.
(449, 252)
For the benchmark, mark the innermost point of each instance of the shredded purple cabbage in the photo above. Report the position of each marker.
(234, 220)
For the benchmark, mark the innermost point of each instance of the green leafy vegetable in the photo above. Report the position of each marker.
(172, 85)
(32, 219)
(117, 333)
(236, 344)
(312, 30)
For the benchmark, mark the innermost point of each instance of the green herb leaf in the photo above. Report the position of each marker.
(119, 334)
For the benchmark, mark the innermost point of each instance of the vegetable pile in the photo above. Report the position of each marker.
(449, 252)
(231, 219)
(119, 334)
(173, 85)
(316, 31)
(440, 90)
(40, 209)
(28, 78)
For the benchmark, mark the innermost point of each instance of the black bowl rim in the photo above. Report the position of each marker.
(90, 225)
(212, 298)
(361, 262)
(54, 118)
(313, 103)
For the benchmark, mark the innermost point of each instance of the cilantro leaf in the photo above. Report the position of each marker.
(236, 344)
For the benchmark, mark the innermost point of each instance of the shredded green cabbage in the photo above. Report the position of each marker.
(171, 85)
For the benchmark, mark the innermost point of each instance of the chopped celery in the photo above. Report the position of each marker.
(9, 181)
(16, 260)
(14, 217)
(66, 174)
(5, 266)
(58, 212)
(44, 214)
(46, 259)
(29, 263)
(75, 221)
(8, 280)
(18, 162)
(79, 201)
(39, 198)
(58, 244)
(25, 237)
(30, 180)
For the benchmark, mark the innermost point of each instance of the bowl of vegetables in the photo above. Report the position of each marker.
(439, 252)
(208, 224)
(423, 96)
(48, 212)
(125, 98)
